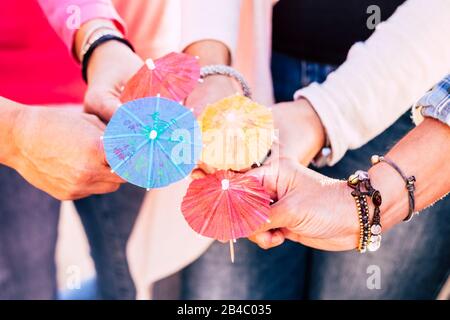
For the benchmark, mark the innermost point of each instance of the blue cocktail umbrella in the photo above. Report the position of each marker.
(152, 142)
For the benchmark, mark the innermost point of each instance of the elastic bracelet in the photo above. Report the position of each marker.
(409, 183)
(370, 233)
(223, 70)
(94, 45)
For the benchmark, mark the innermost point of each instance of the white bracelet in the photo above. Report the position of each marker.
(219, 69)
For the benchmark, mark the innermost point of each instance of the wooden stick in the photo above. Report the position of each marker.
(232, 251)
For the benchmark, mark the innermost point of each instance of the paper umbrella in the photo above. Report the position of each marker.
(226, 205)
(152, 142)
(173, 76)
(237, 133)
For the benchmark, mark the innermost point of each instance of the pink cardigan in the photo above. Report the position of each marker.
(36, 67)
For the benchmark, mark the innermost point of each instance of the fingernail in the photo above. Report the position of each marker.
(277, 239)
(265, 239)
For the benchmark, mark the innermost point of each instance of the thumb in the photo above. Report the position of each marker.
(278, 217)
(267, 178)
(102, 102)
(108, 106)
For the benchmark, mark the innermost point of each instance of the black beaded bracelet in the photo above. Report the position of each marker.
(370, 234)
(97, 43)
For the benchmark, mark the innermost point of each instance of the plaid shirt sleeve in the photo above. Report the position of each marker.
(435, 103)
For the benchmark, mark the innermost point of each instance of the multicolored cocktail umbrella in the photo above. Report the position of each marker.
(173, 76)
(237, 133)
(152, 142)
(226, 206)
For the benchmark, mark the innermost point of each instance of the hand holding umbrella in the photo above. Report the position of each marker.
(152, 142)
(173, 76)
(227, 205)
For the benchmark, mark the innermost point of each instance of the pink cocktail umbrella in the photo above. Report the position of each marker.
(173, 76)
(226, 206)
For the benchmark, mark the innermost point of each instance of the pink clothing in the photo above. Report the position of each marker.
(64, 15)
(35, 66)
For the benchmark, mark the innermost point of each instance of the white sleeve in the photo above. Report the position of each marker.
(207, 19)
(383, 76)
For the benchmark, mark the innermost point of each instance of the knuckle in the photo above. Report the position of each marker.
(114, 187)
(95, 151)
(82, 177)
(69, 195)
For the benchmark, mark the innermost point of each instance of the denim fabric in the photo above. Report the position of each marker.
(413, 261)
(28, 231)
(436, 102)
(108, 220)
(28, 234)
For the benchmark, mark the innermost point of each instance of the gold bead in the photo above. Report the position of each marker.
(353, 179)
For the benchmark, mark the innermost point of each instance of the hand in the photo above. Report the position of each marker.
(310, 208)
(300, 131)
(111, 65)
(60, 152)
(213, 89)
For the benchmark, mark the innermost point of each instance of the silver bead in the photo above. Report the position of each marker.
(374, 246)
(362, 175)
(375, 229)
(375, 238)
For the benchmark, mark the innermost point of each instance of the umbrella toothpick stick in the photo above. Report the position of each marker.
(232, 250)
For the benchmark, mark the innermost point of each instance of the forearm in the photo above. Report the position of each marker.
(82, 33)
(204, 20)
(67, 16)
(9, 112)
(424, 153)
(210, 52)
(384, 75)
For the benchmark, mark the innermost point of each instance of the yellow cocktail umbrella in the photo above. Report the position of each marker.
(237, 133)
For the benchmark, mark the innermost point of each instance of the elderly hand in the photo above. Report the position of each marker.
(300, 131)
(111, 65)
(310, 208)
(60, 152)
(213, 89)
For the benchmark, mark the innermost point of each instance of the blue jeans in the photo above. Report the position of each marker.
(413, 262)
(28, 234)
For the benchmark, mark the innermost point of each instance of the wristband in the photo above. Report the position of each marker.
(370, 232)
(226, 71)
(99, 41)
(409, 183)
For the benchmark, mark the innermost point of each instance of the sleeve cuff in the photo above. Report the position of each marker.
(90, 11)
(434, 104)
(203, 21)
(330, 117)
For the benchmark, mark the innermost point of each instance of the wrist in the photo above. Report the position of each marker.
(316, 136)
(9, 119)
(210, 52)
(104, 56)
(348, 210)
(392, 189)
(221, 81)
(88, 30)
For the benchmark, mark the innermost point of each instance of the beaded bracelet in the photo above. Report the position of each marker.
(362, 208)
(229, 72)
(370, 234)
(409, 181)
